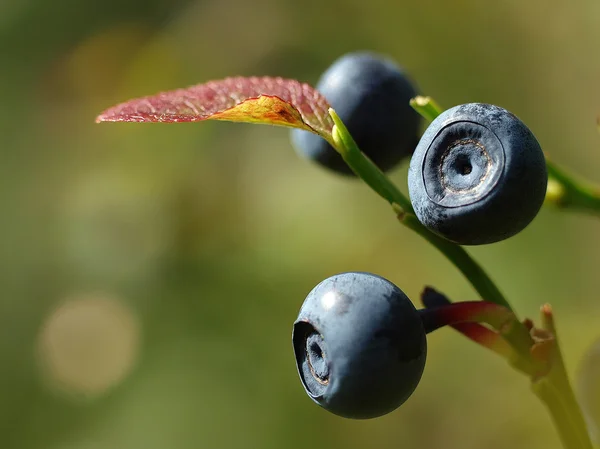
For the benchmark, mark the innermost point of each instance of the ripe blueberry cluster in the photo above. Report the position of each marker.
(477, 176)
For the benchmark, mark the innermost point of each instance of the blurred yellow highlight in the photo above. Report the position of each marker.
(88, 344)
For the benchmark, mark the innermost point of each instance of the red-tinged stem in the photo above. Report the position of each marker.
(510, 340)
(485, 337)
(473, 331)
(496, 316)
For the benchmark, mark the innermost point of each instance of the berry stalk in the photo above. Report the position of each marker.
(475, 274)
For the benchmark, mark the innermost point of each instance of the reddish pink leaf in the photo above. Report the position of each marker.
(265, 100)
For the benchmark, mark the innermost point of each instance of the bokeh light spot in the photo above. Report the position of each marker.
(88, 344)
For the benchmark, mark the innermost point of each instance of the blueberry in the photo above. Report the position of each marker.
(478, 175)
(360, 345)
(371, 94)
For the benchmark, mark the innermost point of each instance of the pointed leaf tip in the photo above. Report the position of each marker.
(264, 100)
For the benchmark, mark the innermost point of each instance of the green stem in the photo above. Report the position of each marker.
(554, 390)
(565, 191)
(562, 412)
(364, 167)
(426, 106)
(456, 254)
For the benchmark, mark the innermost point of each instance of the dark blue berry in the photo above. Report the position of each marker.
(371, 95)
(478, 175)
(360, 345)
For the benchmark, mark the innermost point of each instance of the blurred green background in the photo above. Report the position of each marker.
(151, 273)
